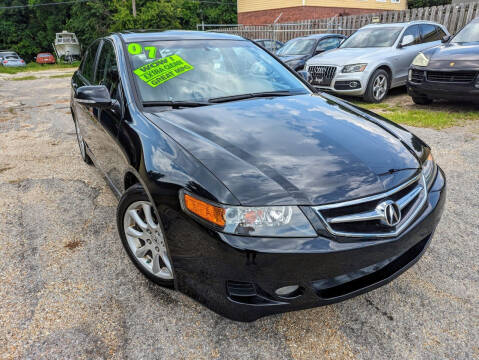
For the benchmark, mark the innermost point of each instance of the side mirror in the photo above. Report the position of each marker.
(407, 40)
(94, 96)
(446, 38)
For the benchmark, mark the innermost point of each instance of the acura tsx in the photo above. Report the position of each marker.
(241, 186)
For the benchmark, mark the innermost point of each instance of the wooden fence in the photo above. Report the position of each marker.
(454, 17)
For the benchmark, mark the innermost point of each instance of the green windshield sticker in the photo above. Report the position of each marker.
(151, 51)
(162, 70)
(134, 48)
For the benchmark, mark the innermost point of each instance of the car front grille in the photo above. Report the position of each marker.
(458, 77)
(417, 76)
(321, 75)
(368, 217)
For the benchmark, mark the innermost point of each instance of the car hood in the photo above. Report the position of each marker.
(292, 57)
(464, 55)
(347, 56)
(303, 150)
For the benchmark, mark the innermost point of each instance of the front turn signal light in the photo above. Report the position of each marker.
(204, 210)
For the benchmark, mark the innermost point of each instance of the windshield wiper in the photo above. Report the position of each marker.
(254, 95)
(176, 104)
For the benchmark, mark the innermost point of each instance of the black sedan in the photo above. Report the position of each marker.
(240, 186)
(297, 51)
(449, 71)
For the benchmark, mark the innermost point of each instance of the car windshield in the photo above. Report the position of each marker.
(373, 37)
(12, 57)
(469, 34)
(297, 47)
(194, 70)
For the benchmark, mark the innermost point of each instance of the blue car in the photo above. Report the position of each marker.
(11, 59)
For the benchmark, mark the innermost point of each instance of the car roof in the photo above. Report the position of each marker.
(317, 36)
(151, 35)
(265, 40)
(401, 24)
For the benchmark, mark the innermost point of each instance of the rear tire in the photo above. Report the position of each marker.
(421, 100)
(143, 237)
(378, 86)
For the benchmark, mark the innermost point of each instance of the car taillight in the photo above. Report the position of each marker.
(22, 61)
(5, 61)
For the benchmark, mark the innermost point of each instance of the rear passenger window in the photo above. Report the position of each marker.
(429, 33)
(88, 66)
(414, 31)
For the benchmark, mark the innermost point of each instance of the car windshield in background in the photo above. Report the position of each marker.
(469, 34)
(199, 71)
(297, 47)
(373, 37)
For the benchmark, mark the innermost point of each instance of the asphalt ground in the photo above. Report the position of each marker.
(68, 290)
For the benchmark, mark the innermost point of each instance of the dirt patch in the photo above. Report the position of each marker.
(73, 244)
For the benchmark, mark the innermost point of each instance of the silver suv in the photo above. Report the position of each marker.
(374, 59)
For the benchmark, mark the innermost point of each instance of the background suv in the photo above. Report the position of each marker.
(297, 51)
(373, 59)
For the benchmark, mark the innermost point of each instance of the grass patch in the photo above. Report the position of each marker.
(430, 118)
(29, 77)
(33, 66)
(60, 76)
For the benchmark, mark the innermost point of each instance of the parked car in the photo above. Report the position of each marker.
(242, 187)
(45, 58)
(10, 59)
(374, 59)
(271, 45)
(297, 51)
(449, 71)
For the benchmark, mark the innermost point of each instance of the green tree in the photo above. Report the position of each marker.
(412, 4)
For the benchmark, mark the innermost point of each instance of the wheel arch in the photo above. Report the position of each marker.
(388, 69)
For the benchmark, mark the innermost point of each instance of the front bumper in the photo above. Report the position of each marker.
(443, 90)
(340, 80)
(14, 65)
(237, 276)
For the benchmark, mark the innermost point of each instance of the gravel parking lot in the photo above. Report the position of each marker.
(68, 290)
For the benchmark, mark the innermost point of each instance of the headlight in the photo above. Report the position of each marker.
(271, 221)
(354, 68)
(421, 60)
(429, 170)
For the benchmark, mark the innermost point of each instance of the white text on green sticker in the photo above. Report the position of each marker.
(162, 70)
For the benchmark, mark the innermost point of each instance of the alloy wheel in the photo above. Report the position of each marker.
(380, 87)
(146, 239)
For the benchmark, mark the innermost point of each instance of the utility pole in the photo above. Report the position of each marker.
(133, 5)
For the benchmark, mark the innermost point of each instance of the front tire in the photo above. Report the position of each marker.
(421, 100)
(378, 86)
(143, 237)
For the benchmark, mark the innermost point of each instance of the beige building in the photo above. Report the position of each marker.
(258, 12)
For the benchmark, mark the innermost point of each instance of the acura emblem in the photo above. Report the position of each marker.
(390, 212)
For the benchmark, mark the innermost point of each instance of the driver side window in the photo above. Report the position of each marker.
(414, 31)
(107, 70)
